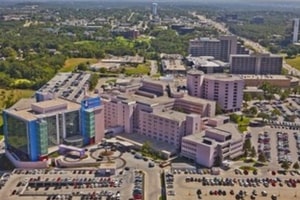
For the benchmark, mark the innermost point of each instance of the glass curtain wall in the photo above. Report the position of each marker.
(17, 137)
(52, 131)
(72, 123)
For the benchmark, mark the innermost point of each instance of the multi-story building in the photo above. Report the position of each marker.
(226, 89)
(61, 113)
(213, 146)
(220, 49)
(295, 30)
(256, 64)
(173, 66)
(154, 9)
(205, 47)
(34, 129)
(161, 117)
(281, 81)
(228, 46)
(207, 64)
(126, 32)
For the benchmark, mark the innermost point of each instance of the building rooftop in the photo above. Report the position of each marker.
(23, 104)
(171, 56)
(195, 72)
(231, 128)
(49, 103)
(171, 114)
(207, 39)
(195, 99)
(28, 114)
(69, 86)
(124, 59)
(256, 55)
(206, 61)
(223, 77)
(173, 65)
(252, 89)
(275, 77)
(224, 129)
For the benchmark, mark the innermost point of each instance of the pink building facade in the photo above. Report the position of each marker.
(213, 145)
(162, 118)
(226, 90)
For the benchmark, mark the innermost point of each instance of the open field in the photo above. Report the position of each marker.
(139, 70)
(294, 62)
(71, 63)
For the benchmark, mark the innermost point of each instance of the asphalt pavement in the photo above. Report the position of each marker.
(152, 175)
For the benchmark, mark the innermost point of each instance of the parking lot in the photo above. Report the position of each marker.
(68, 184)
(232, 185)
(278, 145)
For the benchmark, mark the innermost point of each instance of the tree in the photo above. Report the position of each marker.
(296, 165)
(199, 192)
(9, 52)
(93, 81)
(234, 118)
(289, 53)
(218, 161)
(218, 109)
(260, 97)
(265, 87)
(246, 152)
(275, 112)
(296, 90)
(247, 97)
(146, 148)
(283, 96)
(263, 115)
(262, 158)
(247, 144)
(253, 152)
(82, 67)
(274, 49)
(253, 110)
(285, 165)
(103, 70)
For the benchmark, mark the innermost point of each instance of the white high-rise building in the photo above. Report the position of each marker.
(154, 9)
(296, 30)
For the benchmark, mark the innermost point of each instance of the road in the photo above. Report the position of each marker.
(130, 16)
(254, 45)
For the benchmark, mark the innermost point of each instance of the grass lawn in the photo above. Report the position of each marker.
(71, 63)
(243, 123)
(294, 62)
(139, 70)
